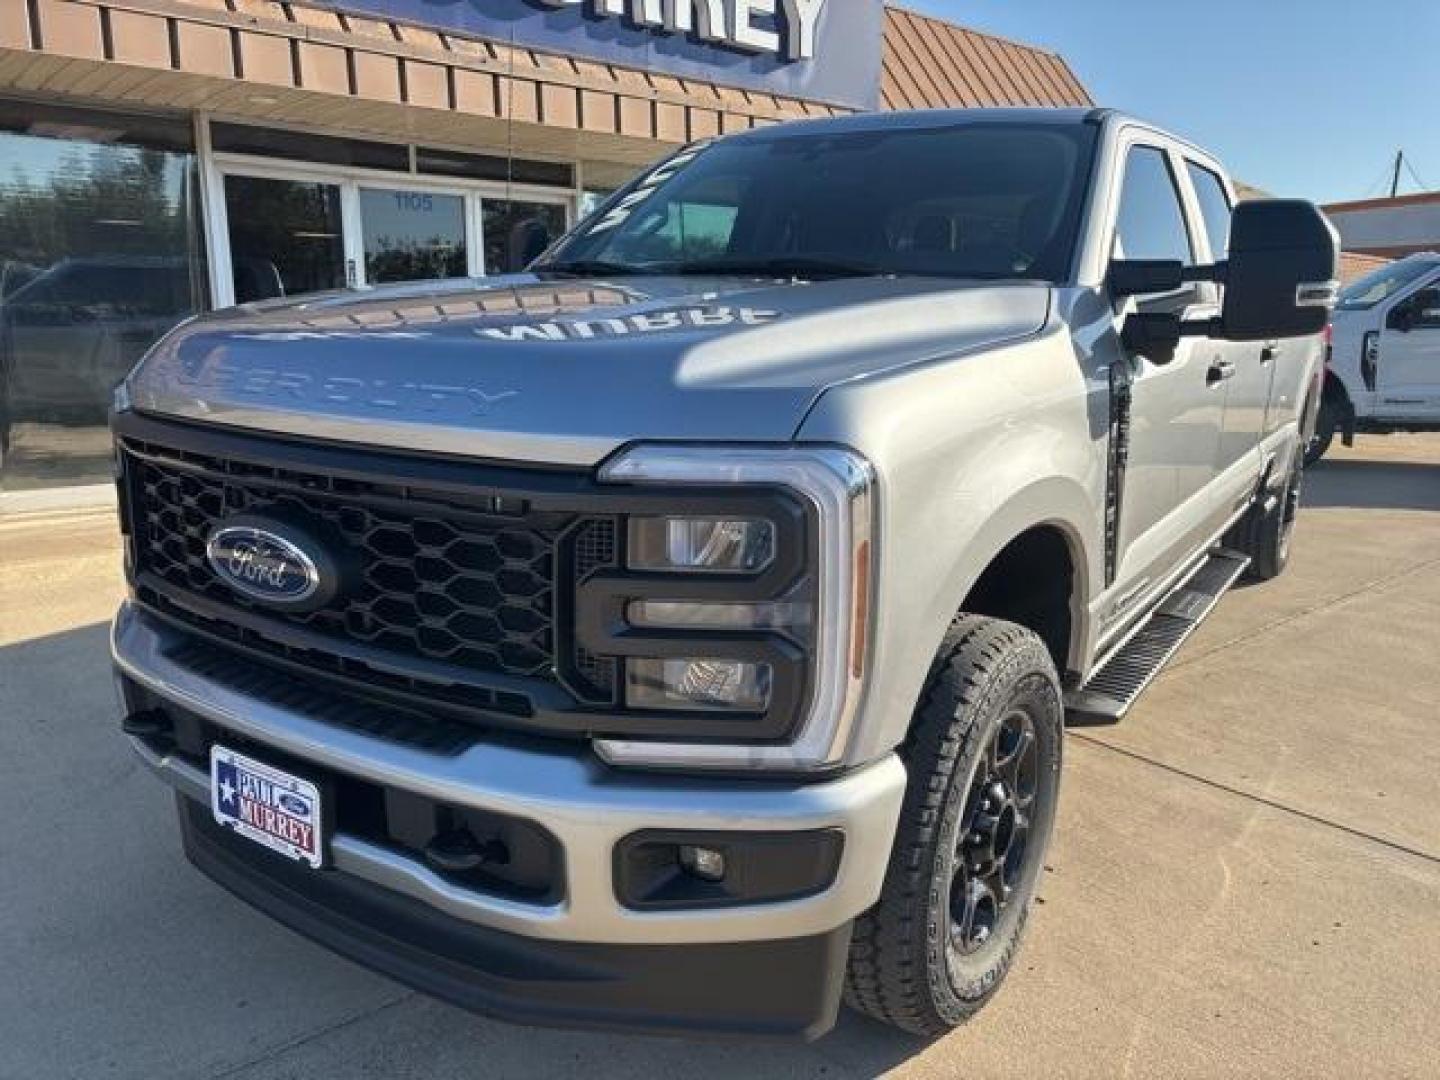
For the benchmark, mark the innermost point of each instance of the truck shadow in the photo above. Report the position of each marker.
(1373, 485)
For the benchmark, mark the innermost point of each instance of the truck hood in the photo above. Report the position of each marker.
(565, 371)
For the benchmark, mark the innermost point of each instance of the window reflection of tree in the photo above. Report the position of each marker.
(96, 200)
(99, 255)
(409, 259)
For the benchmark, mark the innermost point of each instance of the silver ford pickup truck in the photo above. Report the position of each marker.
(678, 636)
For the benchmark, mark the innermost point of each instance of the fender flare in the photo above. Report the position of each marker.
(1054, 502)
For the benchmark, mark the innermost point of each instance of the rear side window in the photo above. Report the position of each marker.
(1214, 208)
(1152, 224)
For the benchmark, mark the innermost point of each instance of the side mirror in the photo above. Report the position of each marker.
(1281, 280)
(1282, 277)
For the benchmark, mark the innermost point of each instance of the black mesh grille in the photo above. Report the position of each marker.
(438, 578)
(595, 550)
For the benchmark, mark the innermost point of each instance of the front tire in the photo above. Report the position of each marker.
(983, 757)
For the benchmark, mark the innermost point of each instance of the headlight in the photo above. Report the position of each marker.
(697, 684)
(743, 632)
(700, 544)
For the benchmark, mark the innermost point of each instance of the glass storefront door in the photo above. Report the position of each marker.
(99, 256)
(517, 231)
(285, 237)
(413, 235)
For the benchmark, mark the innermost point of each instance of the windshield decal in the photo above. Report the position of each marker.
(621, 211)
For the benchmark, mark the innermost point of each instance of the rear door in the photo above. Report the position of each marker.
(1176, 411)
(1407, 369)
(1246, 368)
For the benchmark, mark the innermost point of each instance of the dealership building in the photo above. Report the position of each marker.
(163, 157)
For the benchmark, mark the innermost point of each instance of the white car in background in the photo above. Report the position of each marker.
(1383, 373)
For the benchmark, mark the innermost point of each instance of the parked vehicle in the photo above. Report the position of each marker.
(1383, 371)
(679, 634)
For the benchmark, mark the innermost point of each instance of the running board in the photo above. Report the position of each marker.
(1116, 684)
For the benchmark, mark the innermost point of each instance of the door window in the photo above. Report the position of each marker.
(1152, 223)
(412, 235)
(1424, 308)
(285, 236)
(1214, 208)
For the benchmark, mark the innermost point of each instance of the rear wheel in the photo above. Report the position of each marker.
(1327, 421)
(1265, 534)
(983, 758)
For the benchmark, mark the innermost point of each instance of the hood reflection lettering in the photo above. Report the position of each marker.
(655, 322)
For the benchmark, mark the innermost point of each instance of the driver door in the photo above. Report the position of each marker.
(1407, 380)
(1177, 408)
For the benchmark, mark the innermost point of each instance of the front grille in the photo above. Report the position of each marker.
(442, 582)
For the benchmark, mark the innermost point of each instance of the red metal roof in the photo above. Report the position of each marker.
(932, 64)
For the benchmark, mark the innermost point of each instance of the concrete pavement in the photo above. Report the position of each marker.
(1245, 880)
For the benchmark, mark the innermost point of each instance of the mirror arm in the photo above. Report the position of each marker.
(1156, 334)
(1216, 272)
(1211, 328)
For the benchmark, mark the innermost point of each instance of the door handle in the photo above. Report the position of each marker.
(1219, 371)
(1269, 351)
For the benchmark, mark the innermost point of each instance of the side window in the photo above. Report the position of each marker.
(1152, 223)
(1424, 308)
(1214, 208)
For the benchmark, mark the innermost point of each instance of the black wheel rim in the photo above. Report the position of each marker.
(994, 834)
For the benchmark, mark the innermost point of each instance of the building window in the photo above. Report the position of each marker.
(99, 256)
(285, 237)
(308, 146)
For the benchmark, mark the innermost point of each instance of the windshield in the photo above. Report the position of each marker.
(985, 200)
(1380, 285)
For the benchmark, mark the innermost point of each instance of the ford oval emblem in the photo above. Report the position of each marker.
(259, 561)
(293, 804)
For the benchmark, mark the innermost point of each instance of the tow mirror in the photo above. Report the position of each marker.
(1282, 276)
(1281, 280)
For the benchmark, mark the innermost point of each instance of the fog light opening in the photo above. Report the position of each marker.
(704, 863)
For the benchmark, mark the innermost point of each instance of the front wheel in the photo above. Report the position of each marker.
(983, 757)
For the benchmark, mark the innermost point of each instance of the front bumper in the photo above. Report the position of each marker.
(587, 807)
(781, 988)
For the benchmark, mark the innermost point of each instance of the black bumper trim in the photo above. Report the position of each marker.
(771, 988)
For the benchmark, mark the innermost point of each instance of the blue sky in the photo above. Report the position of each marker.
(1299, 97)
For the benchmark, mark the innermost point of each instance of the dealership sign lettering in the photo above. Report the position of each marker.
(814, 50)
(783, 28)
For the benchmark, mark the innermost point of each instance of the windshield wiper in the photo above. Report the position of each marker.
(799, 266)
(591, 268)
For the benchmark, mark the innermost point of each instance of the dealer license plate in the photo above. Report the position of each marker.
(267, 805)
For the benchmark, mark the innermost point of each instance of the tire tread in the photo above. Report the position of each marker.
(888, 977)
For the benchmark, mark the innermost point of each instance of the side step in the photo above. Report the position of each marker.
(1116, 684)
